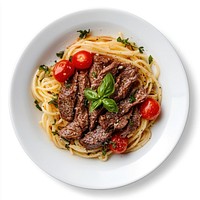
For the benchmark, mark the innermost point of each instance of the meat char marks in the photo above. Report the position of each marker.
(95, 128)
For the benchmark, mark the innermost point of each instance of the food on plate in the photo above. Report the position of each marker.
(100, 98)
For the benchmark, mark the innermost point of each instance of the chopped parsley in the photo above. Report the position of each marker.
(83, 33)
(94, 74)
(37, 105)
(130, 122)
(55, 132)
(54, 101)
(124, 41)
(44, 68)
(131, 98)
(114, 145)
(104, 151)
(141, 49)
(150, 59)
(60, 54)
(68, 85)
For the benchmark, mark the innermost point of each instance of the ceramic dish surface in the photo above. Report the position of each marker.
(119, 170)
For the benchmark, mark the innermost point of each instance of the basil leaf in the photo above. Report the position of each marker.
(90, 94)
(95, 104)
(107, 86)
(110, 105)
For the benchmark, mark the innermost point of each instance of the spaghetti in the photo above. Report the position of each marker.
(45, 90)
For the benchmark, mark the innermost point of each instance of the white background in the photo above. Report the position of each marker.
(178, 177)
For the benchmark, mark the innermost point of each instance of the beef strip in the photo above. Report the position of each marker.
(112, 68)
(124, 82)
(115, 121)
(139, 95)
(80, 124)
(99, 63)
(119, 120)
(67, 99)
(134, 123)
(94, 117)
(95, 139)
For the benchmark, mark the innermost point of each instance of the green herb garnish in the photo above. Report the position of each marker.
(104, 151)
(44, 68)
(114, 145)
(37, 105)
(124, 41)
(68, 85)
(95, 104)
(54, 101)
(141, 49)
(130, 122)
(94, 74)
(83, 33)
(104, 148)
(131, 98)
(90, 94)
(127, 43)
(150, 59)
(60, 54)
(110, 105)
(55, 132)
(101, 96)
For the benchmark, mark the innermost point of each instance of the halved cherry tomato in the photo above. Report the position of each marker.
(82, 60)
(150, 109)
(63, 70)
(118, 144)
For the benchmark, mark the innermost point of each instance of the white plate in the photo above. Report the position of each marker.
(119, 170)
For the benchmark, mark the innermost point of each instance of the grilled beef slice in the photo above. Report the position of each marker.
(112, 68)
(95, 139)
(134, 123)
(139, 95)
(101, 66)
(119, 120)
(99, 62)
(124, 82)
(114, 121)
(81, 121)
(67, 99)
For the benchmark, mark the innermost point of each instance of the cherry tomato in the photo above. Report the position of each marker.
(118, 144)
(150, 109)
(63, 70)
(82, 60)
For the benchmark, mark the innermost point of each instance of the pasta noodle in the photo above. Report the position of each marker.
(45, 88)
